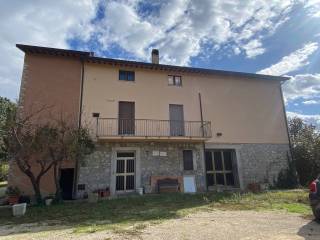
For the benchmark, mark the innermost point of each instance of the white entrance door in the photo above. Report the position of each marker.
(189, 184)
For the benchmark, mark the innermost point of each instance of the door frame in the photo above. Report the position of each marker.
(125, 171)
(132, 124)
(73, 180)
(236, 148)
(176, 126)
(114, 166)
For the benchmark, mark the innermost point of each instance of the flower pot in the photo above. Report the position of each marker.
(19, 209)
(93, 197)
(48, 201)
(13, 199)
(140, 191)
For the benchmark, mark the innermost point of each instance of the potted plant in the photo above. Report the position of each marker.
(107, 192)
(24, 199)
(13, 194)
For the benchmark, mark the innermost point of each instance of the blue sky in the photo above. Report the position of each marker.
(277, 37)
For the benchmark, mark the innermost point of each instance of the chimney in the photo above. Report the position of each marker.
(155, 56)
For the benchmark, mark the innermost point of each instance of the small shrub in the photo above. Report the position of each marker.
(13, 191)
(288, 178)
(24, 199)
(4, 170)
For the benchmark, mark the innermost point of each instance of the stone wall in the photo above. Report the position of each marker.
(95, 171)
(261, 163)
(257, 163)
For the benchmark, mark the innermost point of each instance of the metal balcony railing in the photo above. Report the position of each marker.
(112, 127)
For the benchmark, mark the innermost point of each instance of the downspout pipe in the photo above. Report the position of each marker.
(76, 169)
(203, 144)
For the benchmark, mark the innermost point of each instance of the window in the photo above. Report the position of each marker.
(219, 167)
(126, 75)
(174, 80)
(187, 160)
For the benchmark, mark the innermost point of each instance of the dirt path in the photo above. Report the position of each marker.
(244, 225)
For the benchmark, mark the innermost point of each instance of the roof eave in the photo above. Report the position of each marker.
(51, 51)
(182, 69)
(88, 56)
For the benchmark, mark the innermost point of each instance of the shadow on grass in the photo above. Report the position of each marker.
(118, 214)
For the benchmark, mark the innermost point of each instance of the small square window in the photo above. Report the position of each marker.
(126, 75)
(174, 80)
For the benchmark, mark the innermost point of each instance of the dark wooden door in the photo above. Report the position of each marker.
(126, 118)
(176, 120)
(66, 183)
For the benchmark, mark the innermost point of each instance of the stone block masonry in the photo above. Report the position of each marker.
(261, 163)
(96, 170)
(256, 163)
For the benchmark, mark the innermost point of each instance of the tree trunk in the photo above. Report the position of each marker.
(56, 174)
(36, 189)
(34, 181)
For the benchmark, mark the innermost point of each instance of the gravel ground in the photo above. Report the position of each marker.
(244, 225)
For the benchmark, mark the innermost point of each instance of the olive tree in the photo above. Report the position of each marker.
(38, 148)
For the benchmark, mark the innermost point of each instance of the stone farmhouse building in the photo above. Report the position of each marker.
(206, 129)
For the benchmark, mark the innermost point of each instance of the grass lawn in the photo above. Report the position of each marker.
(137, 211)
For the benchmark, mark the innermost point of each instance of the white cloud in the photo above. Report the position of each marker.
(306, 86)
(181, 27)
(310, 119)
(253, 48)
(47, 23)
(293, 61)
(310, 102)
(313, 7)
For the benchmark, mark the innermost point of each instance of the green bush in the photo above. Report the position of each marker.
(4, 170)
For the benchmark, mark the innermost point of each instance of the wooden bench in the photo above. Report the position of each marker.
(168, 185)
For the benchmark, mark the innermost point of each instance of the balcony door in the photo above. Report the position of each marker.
(126, 118)
(176, 120)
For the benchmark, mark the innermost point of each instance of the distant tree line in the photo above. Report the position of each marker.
(305, 143)
(7, 111)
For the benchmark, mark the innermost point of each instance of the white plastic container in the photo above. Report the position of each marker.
(48, 201)
(140, 191)
(19, 209)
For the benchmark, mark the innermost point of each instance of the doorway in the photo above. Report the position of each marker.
(125, 172)
(66, 183)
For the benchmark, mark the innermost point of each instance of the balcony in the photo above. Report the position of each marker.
(149, 129)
